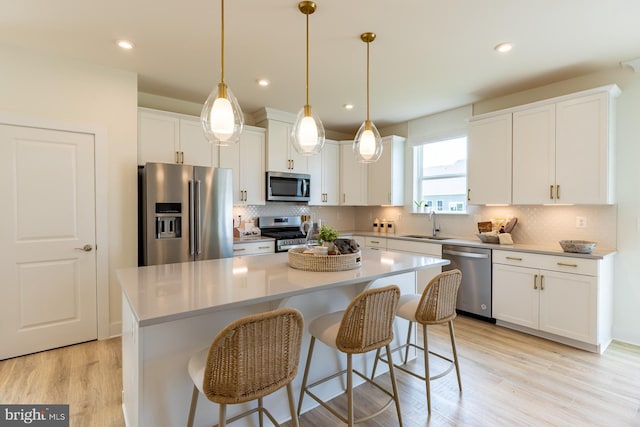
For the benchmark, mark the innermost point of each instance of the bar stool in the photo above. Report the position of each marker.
(435, 306)
(249, 359)
(366, 325)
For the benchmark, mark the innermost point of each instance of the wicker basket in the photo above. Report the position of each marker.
(311, 262)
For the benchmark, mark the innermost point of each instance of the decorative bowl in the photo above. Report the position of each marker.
(577, 246)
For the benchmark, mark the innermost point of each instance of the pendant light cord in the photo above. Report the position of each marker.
(222, 42)
(368, 43)
(307, 64)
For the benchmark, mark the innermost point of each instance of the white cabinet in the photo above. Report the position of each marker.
(165, 137)
(563, 152)
(254, 248)
(246, 159)
(489, 160)
(377, 243)
(324, 170)
(353, 177)
(423, 248)
(564, 298)
(281, 156)
(385, 178)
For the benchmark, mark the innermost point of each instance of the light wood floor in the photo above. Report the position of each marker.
(508, 379)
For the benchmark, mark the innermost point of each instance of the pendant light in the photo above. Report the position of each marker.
(367, 145)
(221, 116)
(307, 135)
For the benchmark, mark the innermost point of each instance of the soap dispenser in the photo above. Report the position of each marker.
(376, 225)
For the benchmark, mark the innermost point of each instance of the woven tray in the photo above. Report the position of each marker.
(310, 262)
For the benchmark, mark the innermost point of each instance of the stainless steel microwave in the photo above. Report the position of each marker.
(288, 187)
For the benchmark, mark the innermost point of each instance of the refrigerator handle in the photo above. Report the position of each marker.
(198, 211)
(192, 245)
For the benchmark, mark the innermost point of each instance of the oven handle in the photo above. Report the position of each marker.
(465, 254)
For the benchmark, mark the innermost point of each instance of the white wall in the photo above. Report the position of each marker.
(41, 86)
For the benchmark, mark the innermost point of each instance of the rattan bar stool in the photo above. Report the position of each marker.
(366, 325)
(249, 359)
(435, 306)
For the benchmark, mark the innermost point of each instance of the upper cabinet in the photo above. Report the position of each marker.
(165, 137)
(563, 152)
(489, 160)
(325, 175)
(246, 159)
(353, 177)
(556, 151)
(281, 156)
(385, 180)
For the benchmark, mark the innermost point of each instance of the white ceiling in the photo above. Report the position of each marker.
(429, 56)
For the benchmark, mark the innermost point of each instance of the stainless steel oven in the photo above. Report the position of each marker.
(286, 230)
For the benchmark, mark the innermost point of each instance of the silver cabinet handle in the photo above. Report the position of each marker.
(86, 248)
(465, 254)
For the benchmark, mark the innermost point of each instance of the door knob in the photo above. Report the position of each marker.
(86, 248)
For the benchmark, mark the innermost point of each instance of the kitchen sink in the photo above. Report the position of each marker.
(420, 236)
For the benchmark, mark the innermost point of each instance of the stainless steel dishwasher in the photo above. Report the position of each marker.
(474, 297)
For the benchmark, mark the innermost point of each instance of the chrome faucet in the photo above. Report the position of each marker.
(432, 218)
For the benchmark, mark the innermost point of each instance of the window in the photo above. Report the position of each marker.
(441, 174)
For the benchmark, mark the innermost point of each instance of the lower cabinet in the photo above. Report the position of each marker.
(254, 248)
(376, 243)
(421, 248)
(564, 298)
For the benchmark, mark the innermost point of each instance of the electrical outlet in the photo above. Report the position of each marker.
(581, 222)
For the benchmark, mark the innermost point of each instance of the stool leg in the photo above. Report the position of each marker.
(306, 373)
(406, 350)
(192, 408)
(375, 363)
(292, 406)
(394, 385)
(222, 415)
(349, 391)
(455, 353)
(260, 412)
(427, 376)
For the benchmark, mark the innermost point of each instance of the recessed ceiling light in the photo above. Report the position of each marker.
(348, 107)
(503, 47)
(263, 82)
(125, 44)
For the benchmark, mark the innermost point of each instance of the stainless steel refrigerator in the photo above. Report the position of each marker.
(186, 213)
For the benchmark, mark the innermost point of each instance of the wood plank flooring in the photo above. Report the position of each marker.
(508, 379)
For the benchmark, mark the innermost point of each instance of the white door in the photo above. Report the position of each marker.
(47, 238)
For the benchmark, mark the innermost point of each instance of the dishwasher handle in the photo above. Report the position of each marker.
(465, 254)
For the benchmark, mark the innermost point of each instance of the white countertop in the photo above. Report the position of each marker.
(163, 293)
(552, 249)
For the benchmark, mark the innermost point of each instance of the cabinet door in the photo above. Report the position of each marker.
(353, 177)
(317, 188)
(515, 295)
(195, 148)
(385, 178)
(230, 158)
(281, 156)
(583, 150)
(252, 172)
(158, 138)
(534, 159)
(568, 305)
(331, 173)
(489, 160)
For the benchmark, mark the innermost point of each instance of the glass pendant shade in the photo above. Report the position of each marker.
(307, 135)
(367, 145)
(222, 118)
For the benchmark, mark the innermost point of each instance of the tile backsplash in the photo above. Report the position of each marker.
(539, 225)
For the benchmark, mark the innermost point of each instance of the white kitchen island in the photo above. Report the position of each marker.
(171, 311)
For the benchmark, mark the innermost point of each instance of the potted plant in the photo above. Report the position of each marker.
(326, 236)
(419, 205)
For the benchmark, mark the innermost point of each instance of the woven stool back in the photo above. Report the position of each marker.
(438, 301)
(253, 356)
(367, 323)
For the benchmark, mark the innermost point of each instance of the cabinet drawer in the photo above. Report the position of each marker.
(254, 248)
(416, 247)
(588, 267)
(375, 242)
